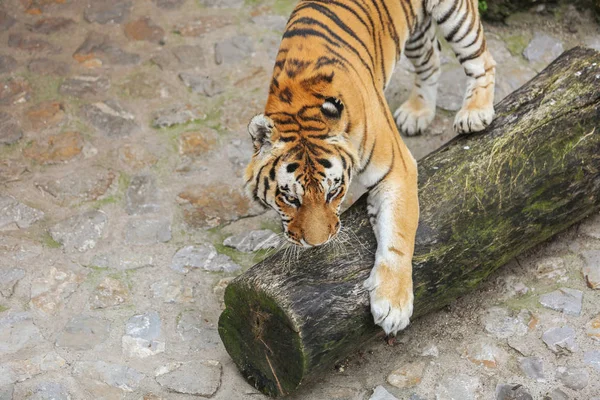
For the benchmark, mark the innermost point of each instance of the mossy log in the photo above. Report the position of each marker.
(485, 198)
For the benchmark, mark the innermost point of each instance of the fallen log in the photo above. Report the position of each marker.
(485, 198)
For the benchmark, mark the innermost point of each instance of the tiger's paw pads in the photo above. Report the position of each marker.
(413, 117)
(473, 120)
(392, 314)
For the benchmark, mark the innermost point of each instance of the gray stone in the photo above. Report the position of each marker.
(6, 21)
(80, 232)
(78, 186)
(119, 376)
(83, 332)
(560, 339)
(110, 292)
(273, 22)
(6, 392)
(141, 334)
(50, 391)
(176, 115)
(485, 353)
(452, 86)
(222, 3)
(201, 378)
(30, 44)
(567, 300)
(10, 131)
(107, 11)
(533, 367)
(248, 242)
(18, 332)
(591, 269)
(168, 4)
(556, 394)
(499, 323)
(573, 378)
(190, 56)
(148, 231)
(201, 84)
(512, 392)
(98, 49)
(462, 386)
(16, 215)
(84, 85)
(46, 66)
(592, 358)
(379, 393)
(203, 257)
(109, 118)
(173, 291)
(8, 280)
(142, 195)
(50, 25)
(233, 50)
(431, 350)
(543, 49)
(50, 289)
(199, 334)
(127, 261)
(591, 227)
(409, 375)
(7, 64)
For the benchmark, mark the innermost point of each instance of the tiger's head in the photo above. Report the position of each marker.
(302, 167)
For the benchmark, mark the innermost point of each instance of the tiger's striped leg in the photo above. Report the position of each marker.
(393, 208)
(460, 23)
(422, 49)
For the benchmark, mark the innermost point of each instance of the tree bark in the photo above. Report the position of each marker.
(485, 198)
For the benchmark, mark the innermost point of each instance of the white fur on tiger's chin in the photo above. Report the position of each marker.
(468, 121)
(390, 319)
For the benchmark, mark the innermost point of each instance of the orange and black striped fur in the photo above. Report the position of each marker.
(326, 121)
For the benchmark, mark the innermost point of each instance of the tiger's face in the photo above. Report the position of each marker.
(303, 174)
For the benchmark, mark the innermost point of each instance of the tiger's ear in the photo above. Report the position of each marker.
(261, 129)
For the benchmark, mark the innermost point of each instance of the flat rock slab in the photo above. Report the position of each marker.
(80, 232)
(201, 378)
(50, 25)
(569, 301)
(8, 280)
(560, 339)
(110, 292)
(141, 334)
(593, 328)
(18, 332)
(512, 392)
(16, 215)
(222, 3)
(379, 393)
(97, 49)
(83, 332)
(592, 358)
(142, 196)
(115, 375)
(498, 322)
(543, 49)
(203, 257)
(148, 231)
(573, 378)
(107, 11)
(408, 375)
(51, 290)
(233, 50)
(177, 115)
(10, 131)
(47, 66)
(461, 386)
(84, 85)
(49, 391)
(248, 242)
(591, 269)
(109, 118)
(201, 84)
(533, 367)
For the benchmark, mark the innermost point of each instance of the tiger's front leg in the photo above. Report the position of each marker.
(394, 212)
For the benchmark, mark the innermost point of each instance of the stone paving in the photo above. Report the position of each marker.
(122, 146)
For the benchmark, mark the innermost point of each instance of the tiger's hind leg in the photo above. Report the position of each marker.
(460, 23)
(422, 49)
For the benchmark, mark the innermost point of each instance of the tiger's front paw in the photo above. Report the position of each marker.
(473, 120)
(391, 297)
(414, 116)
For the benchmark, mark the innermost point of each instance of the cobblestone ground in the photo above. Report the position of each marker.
(122, 146)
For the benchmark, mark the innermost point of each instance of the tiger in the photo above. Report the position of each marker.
(326, 121)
